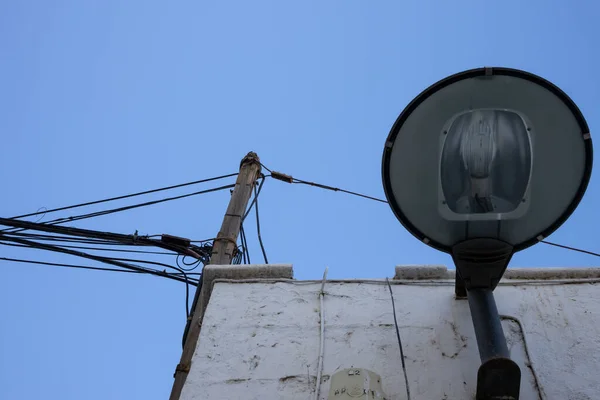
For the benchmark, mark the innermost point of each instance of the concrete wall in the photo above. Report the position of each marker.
(260, 338)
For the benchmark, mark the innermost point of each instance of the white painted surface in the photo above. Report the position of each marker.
(261, 340)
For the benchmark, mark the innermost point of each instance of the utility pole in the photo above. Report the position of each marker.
(224, 248)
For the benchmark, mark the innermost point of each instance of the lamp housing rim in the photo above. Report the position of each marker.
(469, 74)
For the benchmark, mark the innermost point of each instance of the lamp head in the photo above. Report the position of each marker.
(492, 153)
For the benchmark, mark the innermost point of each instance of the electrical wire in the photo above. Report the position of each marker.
(98, 237)
(200, 241)
(245, 256)
(114, 238)
(244, 245)
(237, 258)
(46, 211)
(326, 187)
(130, 207)
(255, 199)
(194, 304)
(180, 260)
(182, 271)
(242, 250)
(71, 239)
(399, 339)
(262, 247)
(65, 239)
(204, 252)
(77, 266)
(322, 335)
(482, 203)
(291, 179)
(103, 249)
(87, 234)
(163, 273)
(121, 262)
(571, 248)
(70, 265)
(106, 260)
(43, 211)
(265, 167)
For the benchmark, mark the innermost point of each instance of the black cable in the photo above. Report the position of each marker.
(102, 249)
(245, 245)
(194, 303)
(239, 255)
(125, 196)
(125, 208)
(106, 260)
(241, 250)
(194, 264)
(265, 167)
(133, 240)
(399, 340)
(189, 264)
(571, 248)
(148, 203)
(65, 239)
(290, 179)
(117, 262)
(245, 255)
(203, 251)
(255, 198)
(201, 241)
(70, 265)
(338, 190)
(262, 247)
(164, 253)
(44, 212)
(66, 230)
(182, 271)
(76, 266)
(105, 269)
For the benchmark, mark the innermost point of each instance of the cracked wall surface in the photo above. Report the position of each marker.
(261, 340)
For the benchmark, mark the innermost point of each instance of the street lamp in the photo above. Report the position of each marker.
(482, 164)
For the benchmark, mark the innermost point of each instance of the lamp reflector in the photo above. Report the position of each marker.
(485, 165)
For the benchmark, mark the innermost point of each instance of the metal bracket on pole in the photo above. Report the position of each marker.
(480, 263)
(498, 377)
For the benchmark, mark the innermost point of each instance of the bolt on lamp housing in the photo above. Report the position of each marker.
(480, 165)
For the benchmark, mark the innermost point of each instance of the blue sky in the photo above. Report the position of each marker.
(102, 98)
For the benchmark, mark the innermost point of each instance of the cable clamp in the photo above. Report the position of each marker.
(233, 215)
(282, 177)
(228, 239)
(185, 368)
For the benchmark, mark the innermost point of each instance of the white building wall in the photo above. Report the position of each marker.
(260, 338)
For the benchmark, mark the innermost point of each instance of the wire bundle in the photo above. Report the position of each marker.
(188, 254)
(50, 236)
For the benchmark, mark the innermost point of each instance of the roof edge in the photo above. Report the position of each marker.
(428, 272)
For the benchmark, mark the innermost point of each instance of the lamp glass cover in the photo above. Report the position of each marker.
(485, 165)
